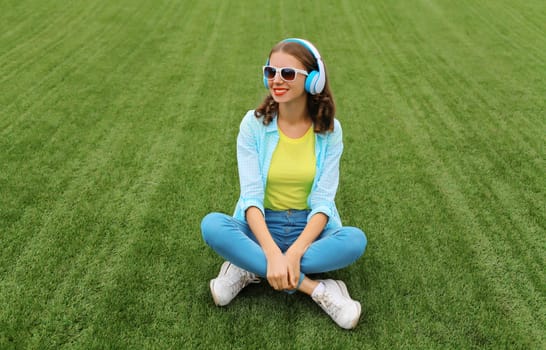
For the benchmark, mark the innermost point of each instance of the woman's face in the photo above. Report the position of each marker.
(287, 91)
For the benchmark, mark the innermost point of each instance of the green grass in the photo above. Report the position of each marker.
(117, 135)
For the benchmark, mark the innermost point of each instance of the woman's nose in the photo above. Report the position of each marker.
(277, 79)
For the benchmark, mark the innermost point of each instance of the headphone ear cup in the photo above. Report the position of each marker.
(266, 84)
(311, 82)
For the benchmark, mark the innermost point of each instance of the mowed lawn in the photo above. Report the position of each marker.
(118, 122)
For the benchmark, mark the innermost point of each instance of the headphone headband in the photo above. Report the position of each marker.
(306, 44)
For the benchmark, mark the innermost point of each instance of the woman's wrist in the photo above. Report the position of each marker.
(296, 250)
(272, 251)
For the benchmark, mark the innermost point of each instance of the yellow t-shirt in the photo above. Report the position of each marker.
(291, 172)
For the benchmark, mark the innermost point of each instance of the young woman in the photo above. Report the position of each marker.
(286, 225)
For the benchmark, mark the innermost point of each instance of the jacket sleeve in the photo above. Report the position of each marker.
(323, 194)
(248, 163)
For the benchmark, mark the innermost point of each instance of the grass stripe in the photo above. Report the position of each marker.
(36, 50)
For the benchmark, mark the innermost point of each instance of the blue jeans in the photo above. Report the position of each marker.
(234, 241)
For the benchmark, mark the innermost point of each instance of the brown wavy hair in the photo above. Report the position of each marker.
(321, 107)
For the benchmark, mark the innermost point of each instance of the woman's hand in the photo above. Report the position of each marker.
(294, 261)
(278, 267)
(294, 254)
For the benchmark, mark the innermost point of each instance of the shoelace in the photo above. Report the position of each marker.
(245, 279)
(326, 301)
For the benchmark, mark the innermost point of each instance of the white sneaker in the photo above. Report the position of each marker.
(337, 303)
(230, 281)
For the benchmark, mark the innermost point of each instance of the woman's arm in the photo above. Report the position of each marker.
(321, 199)
(248, 164)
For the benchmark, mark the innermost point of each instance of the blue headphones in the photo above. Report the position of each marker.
(316, 80)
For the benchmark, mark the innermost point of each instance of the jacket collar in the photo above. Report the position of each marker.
(272, 127)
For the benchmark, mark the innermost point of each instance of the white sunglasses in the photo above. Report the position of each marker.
(287, 73)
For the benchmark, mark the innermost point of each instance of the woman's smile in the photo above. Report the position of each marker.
(279, 91)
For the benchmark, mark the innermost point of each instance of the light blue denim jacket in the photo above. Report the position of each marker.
(255, 145)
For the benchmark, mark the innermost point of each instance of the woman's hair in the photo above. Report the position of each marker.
(321, 107)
